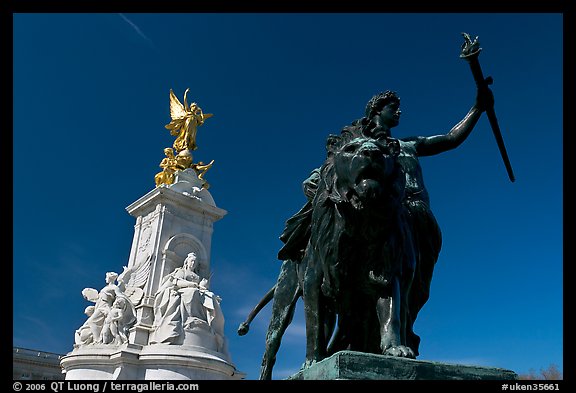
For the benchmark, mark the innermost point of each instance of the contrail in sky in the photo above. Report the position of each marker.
(137, 29)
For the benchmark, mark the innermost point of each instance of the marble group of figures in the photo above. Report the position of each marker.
(183, 306)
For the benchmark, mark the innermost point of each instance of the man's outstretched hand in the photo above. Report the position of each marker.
(484, 98)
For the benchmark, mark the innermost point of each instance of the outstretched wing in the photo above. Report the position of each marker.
(133, 279)
(177, 110)
(90, 294)
(140, 274)
(136, 275)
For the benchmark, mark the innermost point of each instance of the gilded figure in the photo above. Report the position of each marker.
(169, 165)
(185, 122)
(201, 169)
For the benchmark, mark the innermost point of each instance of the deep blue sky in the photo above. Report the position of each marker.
(90, 105)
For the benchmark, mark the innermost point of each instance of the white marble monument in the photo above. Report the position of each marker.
(158, 319)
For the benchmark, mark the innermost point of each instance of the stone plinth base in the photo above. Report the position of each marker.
(357, 365)
(149, 362)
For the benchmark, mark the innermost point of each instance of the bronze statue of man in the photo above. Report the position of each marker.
(382, 113)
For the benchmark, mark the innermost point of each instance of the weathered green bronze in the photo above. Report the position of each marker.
(470, 52)
(361, 252)
(347, 365)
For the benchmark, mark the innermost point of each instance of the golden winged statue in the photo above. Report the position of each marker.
(184, 125)
(185, 122)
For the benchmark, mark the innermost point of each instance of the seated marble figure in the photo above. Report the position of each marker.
(186, 312)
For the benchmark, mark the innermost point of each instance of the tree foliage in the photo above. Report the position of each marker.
(550, 373)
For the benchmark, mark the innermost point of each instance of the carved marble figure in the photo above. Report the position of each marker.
(183, 305)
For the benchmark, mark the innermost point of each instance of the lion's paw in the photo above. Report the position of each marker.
(308, 363)
(400, 351)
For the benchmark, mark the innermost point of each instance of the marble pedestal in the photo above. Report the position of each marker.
(151, 362)
(349, 365)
